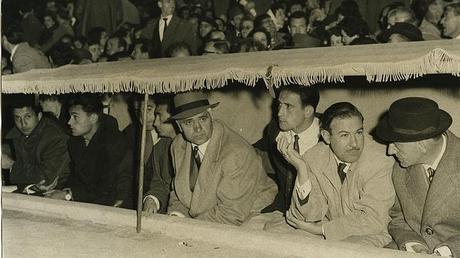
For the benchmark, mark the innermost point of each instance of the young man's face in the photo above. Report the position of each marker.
(198, 128)
(164, 128)
(26, 119)
(167, 7)
(246, 27)
(48, 22)
(81, 123)
(150, 114)
(450, 23)
(345, 137)
(113, 46)
(298, 26)
(205, 28)
(406, 153)
(291, 113)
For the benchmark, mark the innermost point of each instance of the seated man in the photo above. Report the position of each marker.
(40, 145)
(219, 176)
(133, 134)
(100, 159)
(425, 216)
(343, 185)
(157, 196)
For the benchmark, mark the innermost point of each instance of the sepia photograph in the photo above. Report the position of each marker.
(230, 128)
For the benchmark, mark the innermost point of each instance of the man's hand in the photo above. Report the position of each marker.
(286, 148)
(311, 227)
(7, 161)
(150, 207)
(56, 194)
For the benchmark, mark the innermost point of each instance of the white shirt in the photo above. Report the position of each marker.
(13, 51)
(307, 138)
(201, 149)
(162, 25)
(435, 164)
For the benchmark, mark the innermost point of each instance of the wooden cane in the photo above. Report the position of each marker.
(140, 192)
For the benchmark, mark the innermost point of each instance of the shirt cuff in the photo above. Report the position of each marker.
(410, 246)
(157, 202)
(443, 251)
(303, 190)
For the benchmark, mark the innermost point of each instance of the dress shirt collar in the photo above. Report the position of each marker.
(201, 149)
(169, 17)
(347, 167)
(13, 51)
(435, 164)
(309, 137)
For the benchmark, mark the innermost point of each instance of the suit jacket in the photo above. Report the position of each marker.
(102, 171)
(27, 58)
(231, 182)
(178, 30)
(160, 166)
(41, 156)
(32, 29)
(358, 209)
(424, 213)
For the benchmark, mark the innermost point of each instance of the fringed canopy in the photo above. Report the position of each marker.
(379, 63)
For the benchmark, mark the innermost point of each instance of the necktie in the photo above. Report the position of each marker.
(430, 174)
(195, 167)
(341, 172)
(164, 28)
(296, 143)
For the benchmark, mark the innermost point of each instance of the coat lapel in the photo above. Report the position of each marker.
(417, 186)
(169, 33)
(181, 181)
(330, 171)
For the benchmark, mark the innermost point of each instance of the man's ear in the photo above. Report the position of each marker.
(326, 136)
(93, 118)
(308, 111)
(160, 4)
(39, 115)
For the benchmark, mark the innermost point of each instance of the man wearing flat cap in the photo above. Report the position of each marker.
(426, 213)
(218, 175)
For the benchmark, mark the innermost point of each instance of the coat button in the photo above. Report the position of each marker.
(429, 231)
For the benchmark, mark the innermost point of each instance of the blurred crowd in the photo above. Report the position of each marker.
(53, 33)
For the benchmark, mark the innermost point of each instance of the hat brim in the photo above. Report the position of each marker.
(191, 112)
(386, 133)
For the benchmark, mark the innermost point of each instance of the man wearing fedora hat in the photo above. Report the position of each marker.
(218, 175)
(426, 213)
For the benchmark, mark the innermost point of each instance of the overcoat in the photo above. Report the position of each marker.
(231, 184)
(358, 209)
(429, 213)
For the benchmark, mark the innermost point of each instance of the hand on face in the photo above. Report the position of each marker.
(285, 146)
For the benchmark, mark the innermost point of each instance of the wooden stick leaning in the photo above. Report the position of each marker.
(140, 193)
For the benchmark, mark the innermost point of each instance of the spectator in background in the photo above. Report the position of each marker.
(401, 32)
(383, 18)
(81, 56)
(355, 31)
(141, 49)
(298, 31)
(169, 29)
(79, 42)
(451, 21)
(401, 14)
(60, 54)
(216, 47)
(56, 26)
(221, 24)
(99, 36)
(261, 39)
(277, 13)
(247, 25)
(235, 17)
(429, 13)
(116, 49)
(335, 37)
(30, 24)
(206, 25)
(56, 105)
(23, 56)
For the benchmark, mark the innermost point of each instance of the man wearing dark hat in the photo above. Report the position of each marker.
(426, 213)
(401, 32)
(218, 175)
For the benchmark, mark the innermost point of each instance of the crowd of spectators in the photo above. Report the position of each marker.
(60, 32)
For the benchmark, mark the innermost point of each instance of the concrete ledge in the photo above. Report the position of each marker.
(270, 243)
